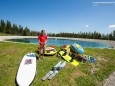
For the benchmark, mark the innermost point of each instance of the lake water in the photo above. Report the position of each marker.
(60, 42)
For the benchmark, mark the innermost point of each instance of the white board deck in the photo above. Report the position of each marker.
(27, 70)
(49, 48)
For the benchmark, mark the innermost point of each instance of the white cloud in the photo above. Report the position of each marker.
(111, 26)
(109, 3)
(86, 26)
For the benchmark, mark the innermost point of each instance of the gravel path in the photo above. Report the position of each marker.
(3, 38)
(110, 81)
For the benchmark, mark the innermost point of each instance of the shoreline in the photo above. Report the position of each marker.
(112, 43)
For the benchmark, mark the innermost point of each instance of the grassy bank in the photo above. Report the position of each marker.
(4, 34)
(88, 74)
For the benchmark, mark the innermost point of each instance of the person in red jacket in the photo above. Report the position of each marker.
(42, 38)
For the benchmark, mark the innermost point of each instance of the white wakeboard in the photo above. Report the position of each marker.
(27, 70)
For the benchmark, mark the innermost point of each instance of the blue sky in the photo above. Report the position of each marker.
(61, 15)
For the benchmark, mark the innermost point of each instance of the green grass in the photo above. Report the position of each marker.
(4, 34)
(11, 55)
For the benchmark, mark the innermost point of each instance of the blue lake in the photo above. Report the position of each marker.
(60, 42)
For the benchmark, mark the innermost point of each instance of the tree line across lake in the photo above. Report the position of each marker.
(14, 29)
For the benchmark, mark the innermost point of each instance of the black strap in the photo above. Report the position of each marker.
(56, 68)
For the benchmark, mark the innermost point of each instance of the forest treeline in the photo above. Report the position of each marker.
(89, 35)
(14, 29)
(8, 28)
